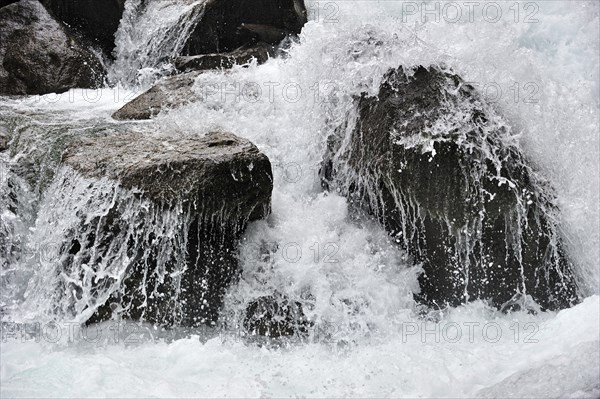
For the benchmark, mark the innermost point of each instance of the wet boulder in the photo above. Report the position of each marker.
(94, 21)
(439, 169)
(225, 26)
(38, 56)
(151, 224)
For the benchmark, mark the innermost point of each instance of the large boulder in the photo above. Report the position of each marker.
(221, 27)
(94, 21)
(188, 201)
(148, 225)
(438, 168)
(38, 56)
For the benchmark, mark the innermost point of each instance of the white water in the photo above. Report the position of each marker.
(359, 284)
(150, 35)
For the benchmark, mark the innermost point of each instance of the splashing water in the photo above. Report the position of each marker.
(352, 280)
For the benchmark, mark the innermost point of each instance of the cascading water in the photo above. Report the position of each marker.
(150, 35)
(76, 211)
(352, 280)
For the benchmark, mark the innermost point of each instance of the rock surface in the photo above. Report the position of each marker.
(260, 52)
(38, 56)
(95, 21)
(168, 169)
(263, 33)
(439, 169)
(179, 209)
(170, 92)
(218, 30)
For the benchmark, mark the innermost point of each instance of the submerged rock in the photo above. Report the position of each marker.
(440, 171)
(149, 224)
(38, 56)
(274, 317)
(94, 21)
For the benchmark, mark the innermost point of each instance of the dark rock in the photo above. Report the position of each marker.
(175, 91)
(261, 53)
(193, 167)
(263, 33)
(437, 167)
(275, 316)
(218, 32)
(95, 21)
(180, 206)
(38, 56)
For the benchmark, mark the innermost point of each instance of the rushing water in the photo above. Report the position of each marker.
(537, 64)
(150, 35)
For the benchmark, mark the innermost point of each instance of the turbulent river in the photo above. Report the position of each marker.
(538, 62)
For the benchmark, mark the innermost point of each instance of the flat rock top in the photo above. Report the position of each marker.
(113, 155)
(170, 167)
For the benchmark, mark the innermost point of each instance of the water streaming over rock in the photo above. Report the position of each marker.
(354, 283)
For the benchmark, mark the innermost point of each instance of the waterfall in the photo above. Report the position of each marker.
(86, 269)
(354, 283)
(151, 34)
